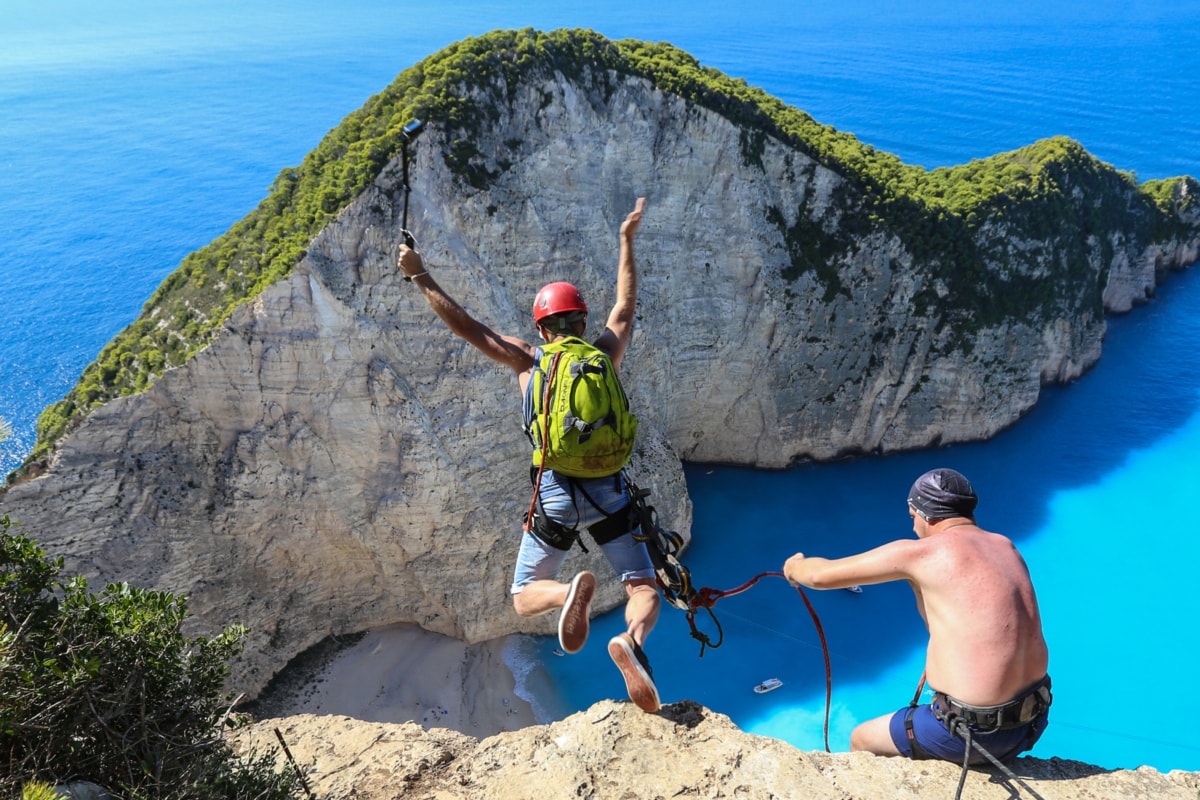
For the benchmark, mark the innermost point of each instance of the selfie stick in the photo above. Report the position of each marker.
(410, 132)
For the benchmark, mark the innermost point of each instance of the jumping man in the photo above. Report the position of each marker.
(568, 504)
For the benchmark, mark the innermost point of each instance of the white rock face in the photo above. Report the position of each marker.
(336, 460)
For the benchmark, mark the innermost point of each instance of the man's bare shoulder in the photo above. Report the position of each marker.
(971, 535)
(965, 548)
(512, 351)
(917, 558)
(519, 343)
(611, 345)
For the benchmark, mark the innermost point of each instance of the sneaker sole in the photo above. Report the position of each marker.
(638, 684)
(573, 623)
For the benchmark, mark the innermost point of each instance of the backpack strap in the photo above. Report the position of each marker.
(529, 408)
(529, 404)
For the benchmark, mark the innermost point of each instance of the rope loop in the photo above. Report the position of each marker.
(707, 597)
(703, 637)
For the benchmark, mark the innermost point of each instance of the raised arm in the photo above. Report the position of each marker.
(618, 329)
(509, 350)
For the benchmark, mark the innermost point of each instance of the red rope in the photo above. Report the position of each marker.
(920, 688)
(706, 597)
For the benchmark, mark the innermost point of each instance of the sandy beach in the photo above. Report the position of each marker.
(402, 673)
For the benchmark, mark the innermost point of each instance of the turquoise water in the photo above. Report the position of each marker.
(132, 133)
(1096, 486)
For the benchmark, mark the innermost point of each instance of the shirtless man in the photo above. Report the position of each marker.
(573, 504)
(986, 659)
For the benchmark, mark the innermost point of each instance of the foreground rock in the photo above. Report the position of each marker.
(613, 750)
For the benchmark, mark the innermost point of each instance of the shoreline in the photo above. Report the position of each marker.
(401, 673)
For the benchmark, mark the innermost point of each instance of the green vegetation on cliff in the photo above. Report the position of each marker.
(108, 688)
(468, 85)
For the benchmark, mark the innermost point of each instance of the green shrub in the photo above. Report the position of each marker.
(106, 688)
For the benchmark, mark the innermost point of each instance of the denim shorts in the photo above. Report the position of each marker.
(938, 742)
(537, 561)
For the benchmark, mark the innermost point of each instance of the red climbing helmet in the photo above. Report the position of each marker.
(557, 298)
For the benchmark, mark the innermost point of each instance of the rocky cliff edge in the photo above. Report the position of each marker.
(613, 750)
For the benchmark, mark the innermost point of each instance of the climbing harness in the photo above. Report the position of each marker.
(554, 533)
(960, 717)
(674, 579)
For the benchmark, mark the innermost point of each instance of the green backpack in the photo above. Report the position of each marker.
(576, 413)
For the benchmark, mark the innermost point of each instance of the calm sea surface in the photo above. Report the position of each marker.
(133, 134)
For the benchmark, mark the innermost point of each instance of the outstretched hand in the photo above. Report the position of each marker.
(633, 220)
(791, 569)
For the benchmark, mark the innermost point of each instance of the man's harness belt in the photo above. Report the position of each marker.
(964, 720)
(1021, 710)
(559, 536)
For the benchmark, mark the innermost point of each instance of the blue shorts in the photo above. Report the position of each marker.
(537, 561)
(938, 742)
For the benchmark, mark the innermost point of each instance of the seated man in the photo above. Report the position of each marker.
(986, 659)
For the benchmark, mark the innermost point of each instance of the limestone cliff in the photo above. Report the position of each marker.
(335, 460)
(613, 750)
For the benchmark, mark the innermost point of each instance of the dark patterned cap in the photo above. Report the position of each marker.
(941, 494)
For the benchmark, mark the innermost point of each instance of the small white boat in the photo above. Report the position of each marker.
(769, 685)
(856, 589)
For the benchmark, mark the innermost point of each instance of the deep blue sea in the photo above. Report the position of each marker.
(134, 132)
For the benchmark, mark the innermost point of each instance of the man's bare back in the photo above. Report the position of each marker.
(985, 632)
